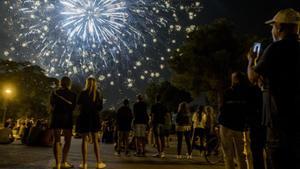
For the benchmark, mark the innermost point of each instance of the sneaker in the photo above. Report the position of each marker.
(66, 165)
(179, 157)
(100, 165)
(117, 154)
(162, 155)
(83, 166)
(156, 155)
(188, 156)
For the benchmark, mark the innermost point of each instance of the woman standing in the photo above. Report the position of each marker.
(199, 124)
(63, 103)
(183, 128)
(88, 123)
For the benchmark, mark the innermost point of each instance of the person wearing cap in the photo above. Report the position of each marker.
(277, 72)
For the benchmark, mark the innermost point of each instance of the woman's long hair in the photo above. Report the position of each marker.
(183, 108)
(91, 87)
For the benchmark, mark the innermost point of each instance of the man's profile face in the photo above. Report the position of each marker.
(275, 32)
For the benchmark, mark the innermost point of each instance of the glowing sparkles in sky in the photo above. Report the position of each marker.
(114, 40)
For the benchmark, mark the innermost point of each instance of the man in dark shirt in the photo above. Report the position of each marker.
(278, 71)
(63, 102)
(256, 130)
(141, 120)
(232, 118)
(124, 120)
(158, 114)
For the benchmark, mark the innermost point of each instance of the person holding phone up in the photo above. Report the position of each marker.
(278, 74)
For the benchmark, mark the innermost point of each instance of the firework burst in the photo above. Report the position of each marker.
(107, 38)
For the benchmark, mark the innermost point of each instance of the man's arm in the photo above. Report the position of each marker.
(252, 75)
(259, 67)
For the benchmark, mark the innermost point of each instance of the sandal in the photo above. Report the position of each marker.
(66, 165)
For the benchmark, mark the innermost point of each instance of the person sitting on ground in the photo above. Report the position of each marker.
(25, 132)
(21, 129)
(46, 136)
(6, 135)
(33, 138)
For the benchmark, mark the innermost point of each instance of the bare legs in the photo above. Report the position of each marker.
(95, 137)
(160, 142)
(57, 150)
(140, 145)
(66, 148)
(84, 146)
(85, 139)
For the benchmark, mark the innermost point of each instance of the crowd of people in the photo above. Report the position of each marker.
(257, 116)
(28, 131)
(158, 123)
(137, 120)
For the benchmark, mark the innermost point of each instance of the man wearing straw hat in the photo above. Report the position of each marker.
(277, 72)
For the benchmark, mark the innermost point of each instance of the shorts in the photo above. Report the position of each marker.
(167, 130)
(122, 135)
(140, 130)
(159, 130)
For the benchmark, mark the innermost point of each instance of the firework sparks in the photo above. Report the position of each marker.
(107, 38)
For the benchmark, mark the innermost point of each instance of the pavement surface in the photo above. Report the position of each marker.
(18, 156)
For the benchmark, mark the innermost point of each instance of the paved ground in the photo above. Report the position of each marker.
(17, 156)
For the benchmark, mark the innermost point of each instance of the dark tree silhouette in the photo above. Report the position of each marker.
(171, 96)
(207, 57)
(32, 87)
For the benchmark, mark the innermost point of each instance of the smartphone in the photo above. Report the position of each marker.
(256, 48)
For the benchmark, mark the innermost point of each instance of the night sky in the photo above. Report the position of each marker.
(248, 15)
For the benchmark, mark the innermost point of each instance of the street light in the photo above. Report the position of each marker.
(7, 94)
(8, 91)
